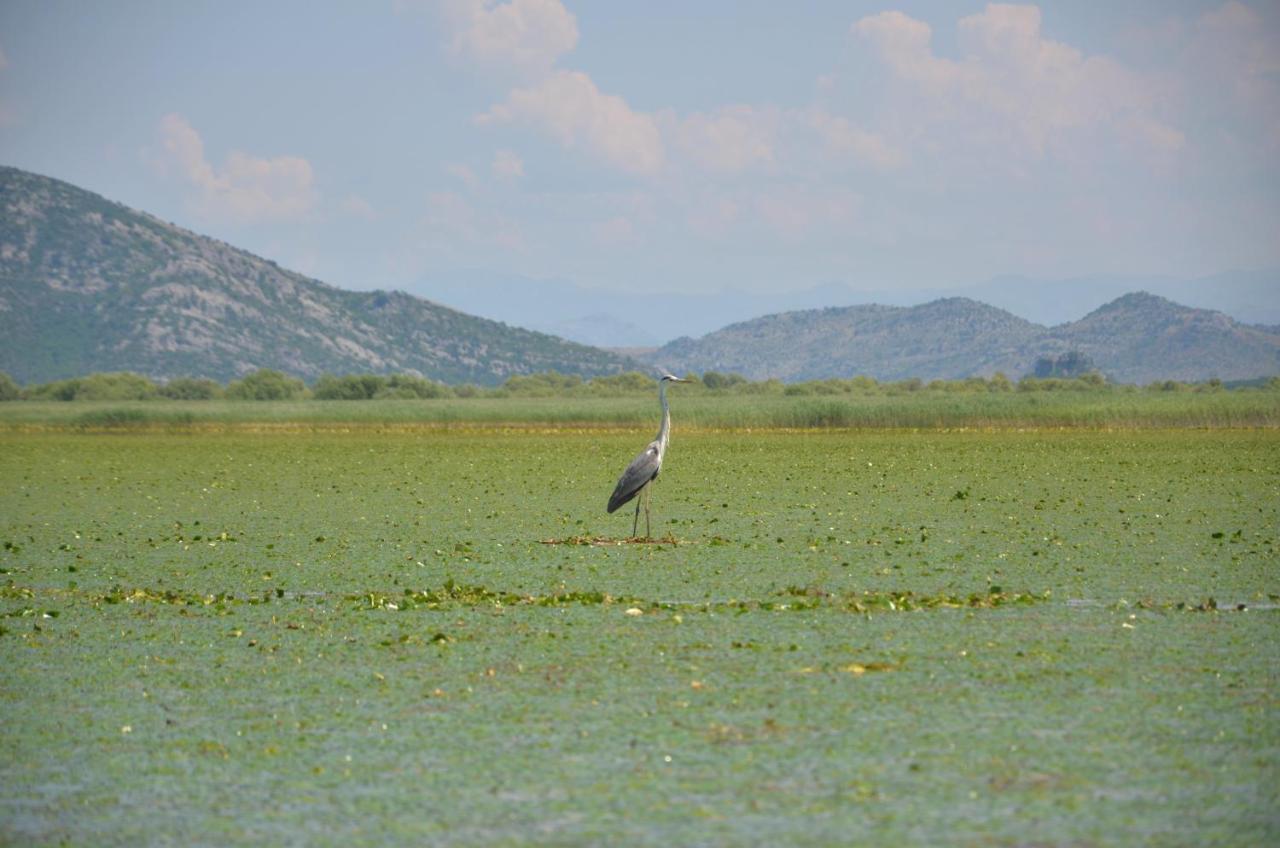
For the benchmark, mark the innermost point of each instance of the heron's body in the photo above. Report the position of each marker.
(644, 469)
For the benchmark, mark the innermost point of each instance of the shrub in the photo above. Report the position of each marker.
(398, 393)
(1168, 386)
(350, 387)
(55, 390)
(9, 390)
(1073, 363)
(411, 385)
(113, 386)
(266, 384)
(191, 388)
(716, 380)
(628, 382)
(117, 386)
(772, 386)
(546, 384)
(1213, 384)
(863, 384)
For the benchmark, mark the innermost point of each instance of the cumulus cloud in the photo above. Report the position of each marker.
(526, 35)
(905, 44)
(568, 106)
(843, 139)
(1238, 64)
(728, 140)
(246, 188)
(733, 140)
(1011, 80)
(529, 36)
(1236, 33)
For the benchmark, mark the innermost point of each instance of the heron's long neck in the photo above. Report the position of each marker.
(664, 431)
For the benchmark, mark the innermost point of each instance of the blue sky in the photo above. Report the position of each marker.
(750, 146)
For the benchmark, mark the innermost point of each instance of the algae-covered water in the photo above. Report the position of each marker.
(846, 638)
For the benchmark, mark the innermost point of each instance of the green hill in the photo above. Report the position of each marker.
(90, 285)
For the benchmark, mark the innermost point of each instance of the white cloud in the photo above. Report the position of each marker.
(729, 140)
(568, 106)
(246, 188)
(1012, 82)
(1237, 62)
(842, 139)
(905, 45)
(527, 35)
(507, 165)
(1239, 33)
(736, 139)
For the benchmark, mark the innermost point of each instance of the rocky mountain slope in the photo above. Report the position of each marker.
(90, 285)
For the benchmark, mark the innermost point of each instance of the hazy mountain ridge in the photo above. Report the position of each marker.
(1137, 338)
(652, 314)
(90, 285)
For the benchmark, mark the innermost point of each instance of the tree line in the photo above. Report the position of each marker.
(270, 384)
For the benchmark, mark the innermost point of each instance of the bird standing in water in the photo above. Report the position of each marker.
(644, 469)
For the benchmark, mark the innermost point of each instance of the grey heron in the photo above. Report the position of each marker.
(644, 469)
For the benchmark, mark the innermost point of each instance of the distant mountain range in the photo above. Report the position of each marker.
(654, 315)
(1138, 338)
(90, 285)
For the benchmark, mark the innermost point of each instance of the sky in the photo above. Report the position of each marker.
(669, 146)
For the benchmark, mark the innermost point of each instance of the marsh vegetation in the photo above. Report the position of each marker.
(840, 636)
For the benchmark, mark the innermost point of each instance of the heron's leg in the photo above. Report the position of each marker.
(636, 521)
(648, 533)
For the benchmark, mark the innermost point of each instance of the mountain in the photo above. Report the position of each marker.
(946, 339)
(1138, 338)
(1247, 296)
(90, 285)
(653, 314)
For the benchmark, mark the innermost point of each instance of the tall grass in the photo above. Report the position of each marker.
(919, 410)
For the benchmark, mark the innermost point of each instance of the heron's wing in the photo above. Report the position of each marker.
(641, 470)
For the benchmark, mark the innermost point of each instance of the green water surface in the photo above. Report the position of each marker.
(848, 638)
